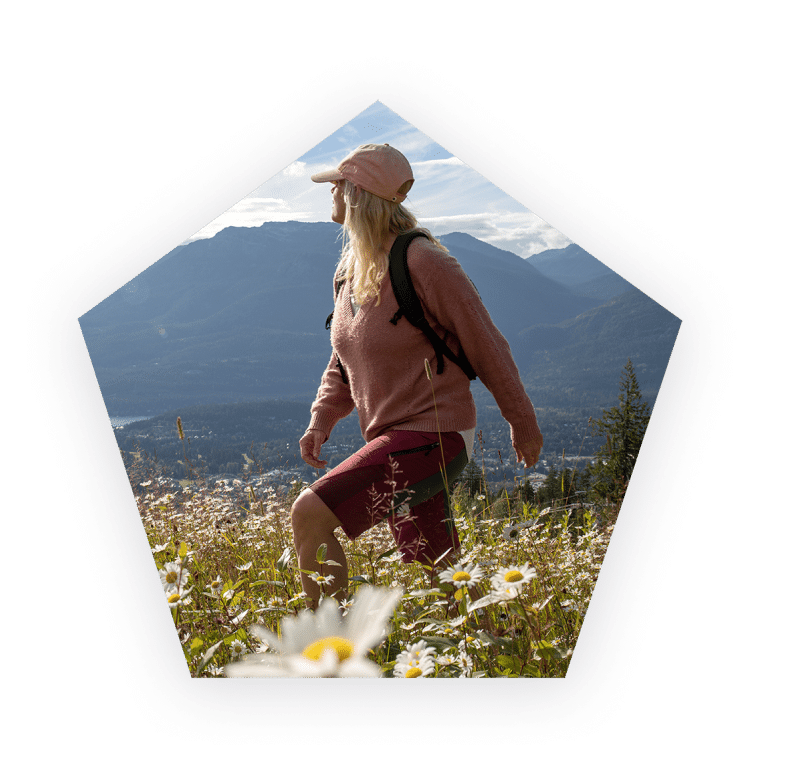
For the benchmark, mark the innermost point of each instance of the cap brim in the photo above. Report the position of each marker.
(332, 175)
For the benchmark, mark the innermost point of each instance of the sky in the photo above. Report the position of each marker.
(447, 195)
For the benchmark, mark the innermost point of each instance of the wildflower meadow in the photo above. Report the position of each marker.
(510, 605)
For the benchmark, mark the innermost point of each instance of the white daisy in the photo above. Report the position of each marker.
(238, 648)
(346, 605)
(173, 577)
(472, 643)
(416, 661)
(502, 594)
(175, 597)
(465, 663)
(321, 580)
(273, 604)
(408, 627)
(322, 643)
(511, 533)
(446, 660)
(461, 575)
(447, 627)
(515, 576)
(216, 585)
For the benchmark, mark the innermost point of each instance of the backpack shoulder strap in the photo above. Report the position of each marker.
(409, 304)
(337, 287)
(340, 280)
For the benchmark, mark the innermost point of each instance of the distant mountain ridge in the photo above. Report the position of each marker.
(573, 267)
(240, 316)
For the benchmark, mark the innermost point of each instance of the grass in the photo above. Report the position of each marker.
(229, 548)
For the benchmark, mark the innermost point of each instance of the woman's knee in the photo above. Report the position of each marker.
(311, 516)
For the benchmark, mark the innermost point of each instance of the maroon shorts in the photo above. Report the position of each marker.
(397, 470)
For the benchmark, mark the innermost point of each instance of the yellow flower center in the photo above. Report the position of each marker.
(461, 575)
(171, 577)
(413, 672)
(174, 598)
(513, 575)
(342, 647)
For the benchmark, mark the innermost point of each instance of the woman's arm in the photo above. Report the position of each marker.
(333, 401)
(452, 301)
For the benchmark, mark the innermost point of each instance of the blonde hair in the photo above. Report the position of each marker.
(368, 219)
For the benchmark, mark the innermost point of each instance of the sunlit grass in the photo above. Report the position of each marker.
(512, 607)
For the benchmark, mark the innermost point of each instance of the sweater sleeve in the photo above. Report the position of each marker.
(451, 300)
(333, 401)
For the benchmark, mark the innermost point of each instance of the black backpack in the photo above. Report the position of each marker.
(410, 306)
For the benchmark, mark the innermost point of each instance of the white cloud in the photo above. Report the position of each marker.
(295, 169)
(252, 212)
(521, 233)
(409, 141)
(452, 161)
(259, 204)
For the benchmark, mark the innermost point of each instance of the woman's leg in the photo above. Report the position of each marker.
(313, 524)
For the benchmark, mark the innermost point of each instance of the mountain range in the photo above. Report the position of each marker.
(240, 316)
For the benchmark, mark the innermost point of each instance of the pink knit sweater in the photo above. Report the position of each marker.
(385, 362)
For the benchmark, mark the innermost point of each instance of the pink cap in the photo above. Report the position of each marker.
(379, 169)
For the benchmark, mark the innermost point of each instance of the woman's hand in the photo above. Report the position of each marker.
(529, 451)
(310, 444)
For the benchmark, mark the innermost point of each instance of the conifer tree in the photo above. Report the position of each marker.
(472, 477)
(546, 491)
(526, 491)
(559, 488)
(624, 427)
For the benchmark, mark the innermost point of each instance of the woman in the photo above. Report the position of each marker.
(418, 426)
